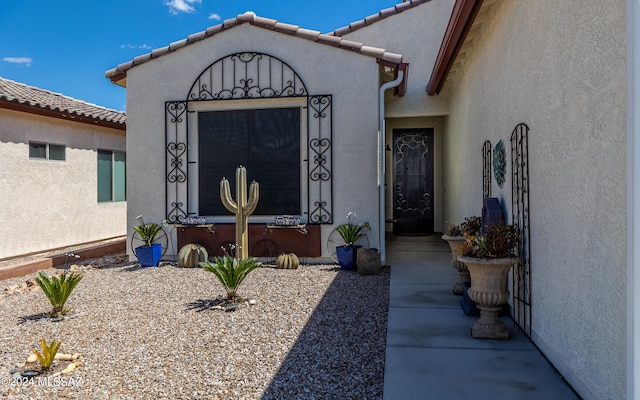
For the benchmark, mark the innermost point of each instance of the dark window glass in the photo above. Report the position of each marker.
(112, 168)
(105, 168)
(266, 142)
(119, 176)
(56, 152)
(37, 150)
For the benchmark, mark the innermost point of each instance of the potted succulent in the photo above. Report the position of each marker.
(150, 253)
(455, 237)
(350, 233)
(489, 258)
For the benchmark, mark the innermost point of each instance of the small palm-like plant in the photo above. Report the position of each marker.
(351, 232)
(48, 353)
(58, 289)
(230, 272)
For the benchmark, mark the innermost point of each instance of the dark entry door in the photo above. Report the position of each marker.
(413, 181)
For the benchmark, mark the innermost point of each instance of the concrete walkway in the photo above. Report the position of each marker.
(430, 352)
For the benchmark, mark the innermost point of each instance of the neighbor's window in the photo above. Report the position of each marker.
(56, 152)
(111, 176)
(47, 151)
(266, 142)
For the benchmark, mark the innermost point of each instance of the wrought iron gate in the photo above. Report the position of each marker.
(520, 215)
(413, 180)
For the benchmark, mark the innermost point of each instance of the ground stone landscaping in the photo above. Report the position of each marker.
(150, 333)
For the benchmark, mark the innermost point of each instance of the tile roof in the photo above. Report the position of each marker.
(387, 12)
(118, 74)
(27, 98)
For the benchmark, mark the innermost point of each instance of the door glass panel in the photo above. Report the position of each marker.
(413, 180)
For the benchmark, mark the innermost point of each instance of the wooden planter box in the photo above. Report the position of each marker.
(263, 241)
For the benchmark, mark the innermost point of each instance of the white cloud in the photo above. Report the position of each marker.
(26, 61)
(215, 16)
(135, 46)
(178, 6)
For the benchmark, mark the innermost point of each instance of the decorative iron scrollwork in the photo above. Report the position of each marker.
(486, 169)
(520, 216)
(320, 162)
(176, 159)
(248, 76)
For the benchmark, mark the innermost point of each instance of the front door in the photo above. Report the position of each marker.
(413, 181)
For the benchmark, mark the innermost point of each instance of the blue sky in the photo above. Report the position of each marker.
(66, 46)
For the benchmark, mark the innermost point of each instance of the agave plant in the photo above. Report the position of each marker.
(48, 353)
(230, 272)
(58, 289)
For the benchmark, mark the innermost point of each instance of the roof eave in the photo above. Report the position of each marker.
(15, 106)
(462, 17)
(118, 75)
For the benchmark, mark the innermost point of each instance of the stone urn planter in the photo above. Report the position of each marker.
(489, 290)
(455, 242)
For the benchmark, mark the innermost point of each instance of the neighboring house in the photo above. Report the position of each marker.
(63, 174)
(547, 80)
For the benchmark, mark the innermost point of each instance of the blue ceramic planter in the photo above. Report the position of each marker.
(149, 256)
(347, 256)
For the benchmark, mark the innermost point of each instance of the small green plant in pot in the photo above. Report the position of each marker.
(231, 272)
(150, 253)
(58, 289)
(350, 233)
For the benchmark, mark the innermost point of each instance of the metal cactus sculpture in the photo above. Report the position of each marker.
(242, 207)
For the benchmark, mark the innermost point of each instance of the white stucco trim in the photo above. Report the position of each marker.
(633, 200)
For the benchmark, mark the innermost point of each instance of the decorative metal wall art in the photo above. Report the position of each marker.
(499, 163)
(320, 199)
(249, 76)
(486, 169)
(520, 216)
(176, 139)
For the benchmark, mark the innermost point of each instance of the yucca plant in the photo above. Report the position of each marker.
(58, 289)
(48, 353)
(230, 272)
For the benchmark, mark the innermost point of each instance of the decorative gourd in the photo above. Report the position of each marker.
(191, 255)
(287, 261)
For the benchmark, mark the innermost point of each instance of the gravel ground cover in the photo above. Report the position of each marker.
(146, 333)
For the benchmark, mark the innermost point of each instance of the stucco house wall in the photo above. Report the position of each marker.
(415, 33)
(559, 67)
(351, 78)
(53, 204)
